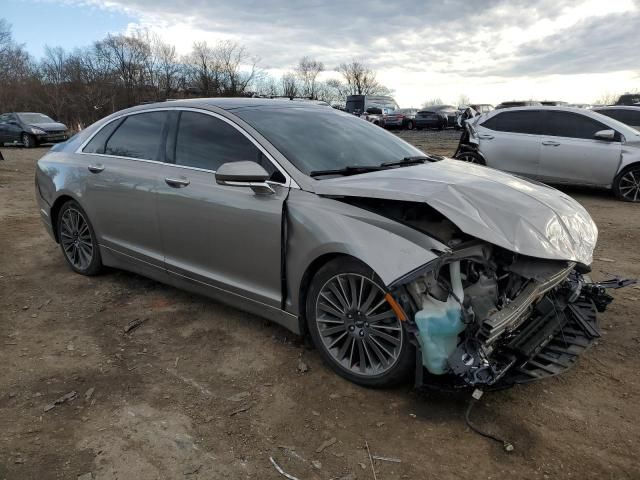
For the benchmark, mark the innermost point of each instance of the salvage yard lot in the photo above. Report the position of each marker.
(201, 390)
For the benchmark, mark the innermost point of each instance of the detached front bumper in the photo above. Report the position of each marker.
(555, 331)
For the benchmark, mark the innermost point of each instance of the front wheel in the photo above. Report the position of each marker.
(410, 125)
(78, 240)
(626, 186)
(28, 141)
(354, 327)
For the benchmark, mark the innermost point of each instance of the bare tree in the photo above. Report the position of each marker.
(289, 84)
(463, 99)
(360, 79)
(432, 101)
(607, 98)
(308, 71)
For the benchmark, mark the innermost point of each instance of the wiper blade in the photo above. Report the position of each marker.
(349, 170)
(407, 161)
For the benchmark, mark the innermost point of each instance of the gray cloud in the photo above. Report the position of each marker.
(429, 35)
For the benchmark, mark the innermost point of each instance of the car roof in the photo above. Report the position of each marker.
(230, 103)
(617, 107)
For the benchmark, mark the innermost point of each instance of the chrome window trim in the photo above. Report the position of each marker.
(289, 181)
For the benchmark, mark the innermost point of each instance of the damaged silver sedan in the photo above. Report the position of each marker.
(396, 263)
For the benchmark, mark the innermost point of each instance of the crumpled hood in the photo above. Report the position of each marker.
(519, 215)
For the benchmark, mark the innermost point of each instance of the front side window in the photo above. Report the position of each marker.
(138, 136)
(571, 125)
(520, 121)
(206, 142)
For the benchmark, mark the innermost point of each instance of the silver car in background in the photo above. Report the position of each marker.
(393, 261)
(558, 145)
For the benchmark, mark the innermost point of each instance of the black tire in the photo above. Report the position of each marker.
(29, 141)
(410, 125)
(470, 157)
(626, 185)
(398, 370)
(90, 267)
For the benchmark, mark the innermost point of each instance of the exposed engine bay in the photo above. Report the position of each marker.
(485, 316)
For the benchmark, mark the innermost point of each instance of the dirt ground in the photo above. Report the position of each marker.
(204, 391)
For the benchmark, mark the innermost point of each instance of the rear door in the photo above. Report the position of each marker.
(570, 153)
(4, 127)
(510, 141)
(221, 237)
(123, 164)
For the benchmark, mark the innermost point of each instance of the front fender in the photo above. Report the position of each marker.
(318, 226)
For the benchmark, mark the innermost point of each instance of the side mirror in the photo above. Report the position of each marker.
(605, 135)
(244, 174)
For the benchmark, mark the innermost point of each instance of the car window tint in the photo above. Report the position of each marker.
(204, 141)
(521, 121)
(571, 125)
(139, 136)
(629, 117)
(96, 145)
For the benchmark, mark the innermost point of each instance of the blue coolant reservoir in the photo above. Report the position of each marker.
(439, 324)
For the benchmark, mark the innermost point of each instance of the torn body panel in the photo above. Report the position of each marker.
(319, 226)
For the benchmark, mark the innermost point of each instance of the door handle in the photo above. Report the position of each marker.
(550, 143)
(177, 182)
(95, 168)
(486, 137)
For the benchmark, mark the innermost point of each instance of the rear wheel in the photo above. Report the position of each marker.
(78, 240)
(470, 157)
(626, 186)
(354, 327)
(28, 141)
(410, 125)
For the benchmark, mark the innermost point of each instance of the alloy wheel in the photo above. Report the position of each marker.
(75, 238)
(467, 157)
(357, 325)
(629, 185)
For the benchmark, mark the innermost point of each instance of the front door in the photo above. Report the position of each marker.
(226, 238)
(569, 152)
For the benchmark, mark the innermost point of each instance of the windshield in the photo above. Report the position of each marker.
(35, 118)
(316, 139)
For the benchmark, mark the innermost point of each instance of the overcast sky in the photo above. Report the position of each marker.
(489, 50)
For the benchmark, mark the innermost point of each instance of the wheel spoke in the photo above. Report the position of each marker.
(337, 339)
(361, 360)
(327, 332)
(377, 352)
(330, 310)
(323, 295)
(386, 336)
(368, 355)
(342, 300)
(378, 305)
(381, 316)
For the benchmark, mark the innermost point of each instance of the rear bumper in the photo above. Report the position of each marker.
(428, 123)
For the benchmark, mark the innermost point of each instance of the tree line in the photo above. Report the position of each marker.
(81, 86)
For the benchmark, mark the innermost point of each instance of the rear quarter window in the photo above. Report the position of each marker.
(138, 136)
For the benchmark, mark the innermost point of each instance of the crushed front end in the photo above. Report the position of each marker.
(486, 317)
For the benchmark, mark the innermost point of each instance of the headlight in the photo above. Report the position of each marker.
(37, 131)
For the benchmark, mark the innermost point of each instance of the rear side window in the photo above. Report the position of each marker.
(629, 117)
(521, 121)
(96, 145)
(571, 125)
(206, 142)
(139, 136)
